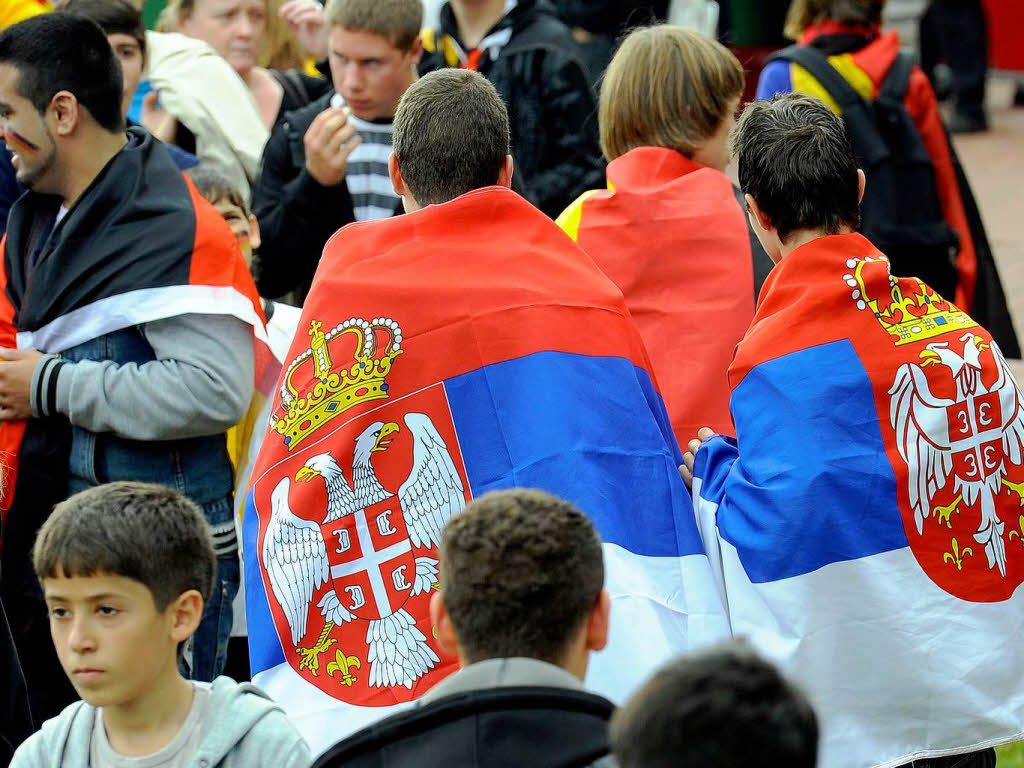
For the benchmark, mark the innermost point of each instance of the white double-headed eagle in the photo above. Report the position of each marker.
(295, 552)
(985, 432)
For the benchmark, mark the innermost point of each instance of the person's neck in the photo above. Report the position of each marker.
(476, 19)
(149, 723)
(801, 237)
(84, 165)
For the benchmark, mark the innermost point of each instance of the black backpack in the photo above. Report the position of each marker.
(901, 213)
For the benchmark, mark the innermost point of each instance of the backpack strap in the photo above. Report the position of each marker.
(291, 81)
(894, 87)
(818, 65)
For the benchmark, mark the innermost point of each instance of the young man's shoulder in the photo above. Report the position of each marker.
(243, 727)
(62, 742)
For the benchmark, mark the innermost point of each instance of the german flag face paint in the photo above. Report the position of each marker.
(19, 143)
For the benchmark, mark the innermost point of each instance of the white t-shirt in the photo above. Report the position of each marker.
(180, 753)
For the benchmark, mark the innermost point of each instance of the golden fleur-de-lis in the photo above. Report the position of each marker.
(344, 664)
(956, 557)
(1019, 533)
(1017, 488)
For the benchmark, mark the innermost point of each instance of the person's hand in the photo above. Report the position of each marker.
(329, 141)
(582, 36)
(308, 20)
(157, 120)
(686, 470)
(16, 368)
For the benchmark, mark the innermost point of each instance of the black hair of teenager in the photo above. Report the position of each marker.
(113, 16)
(59, 51)
(796, 160)
(721, 707)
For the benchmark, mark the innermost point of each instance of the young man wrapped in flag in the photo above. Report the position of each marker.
(136, 291)
(466, 346)
(865, 525)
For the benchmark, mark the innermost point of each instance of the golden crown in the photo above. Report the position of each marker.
(331, 389)
(921, 314)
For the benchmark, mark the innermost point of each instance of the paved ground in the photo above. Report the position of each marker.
(994, 163)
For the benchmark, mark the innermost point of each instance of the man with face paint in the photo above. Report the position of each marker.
(147, 324)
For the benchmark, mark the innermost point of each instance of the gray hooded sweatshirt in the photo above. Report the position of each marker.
(242, 727)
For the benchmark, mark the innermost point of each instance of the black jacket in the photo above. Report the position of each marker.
(611, 17)
(501, 728)
(542, 78)
(296, 213)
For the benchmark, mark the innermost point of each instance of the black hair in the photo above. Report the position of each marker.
(113, 16)
(60, 51)
(718, 708)
(796, 160)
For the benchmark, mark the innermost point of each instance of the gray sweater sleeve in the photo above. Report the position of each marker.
(200, 383)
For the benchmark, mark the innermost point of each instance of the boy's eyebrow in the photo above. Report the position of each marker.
(89, 598)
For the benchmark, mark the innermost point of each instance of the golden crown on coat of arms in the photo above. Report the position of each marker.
(915, 316)
(327, 390)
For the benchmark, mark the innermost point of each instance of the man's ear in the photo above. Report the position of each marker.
(862, 183)
(441, 621)
(66, 112)
(599, 622)
(505, 174)
(396, 176)
(416, 50)
(185, 612)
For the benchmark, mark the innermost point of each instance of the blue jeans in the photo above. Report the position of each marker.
(209, 645)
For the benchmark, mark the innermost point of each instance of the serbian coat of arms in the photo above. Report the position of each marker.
(356, 507)
(957, 419)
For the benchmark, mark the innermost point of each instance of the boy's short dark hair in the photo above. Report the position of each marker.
(63, 52)
(214, 186)
(451, 135)
(145, 532)
(399, 21)
(114, 17)
(720, 707)
(796, 160)
(521, 571)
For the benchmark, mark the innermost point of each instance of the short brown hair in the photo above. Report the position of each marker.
(398, 20)
(521, 571)
(145, 532)
(214, 186)
(451, 135)
(666, 87)
(804, 13)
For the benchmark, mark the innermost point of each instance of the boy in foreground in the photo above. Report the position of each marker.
(126, 569)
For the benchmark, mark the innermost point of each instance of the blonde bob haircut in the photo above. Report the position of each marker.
(666, 87)
(804, 13)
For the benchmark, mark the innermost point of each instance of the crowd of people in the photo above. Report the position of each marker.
(447, 364)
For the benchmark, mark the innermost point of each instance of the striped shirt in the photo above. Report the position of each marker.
(373, 196)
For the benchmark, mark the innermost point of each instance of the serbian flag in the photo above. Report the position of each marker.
(672, 235)
(117, 259)
(865, 526)
(466, 347)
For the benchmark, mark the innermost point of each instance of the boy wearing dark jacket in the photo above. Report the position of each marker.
(537, 67)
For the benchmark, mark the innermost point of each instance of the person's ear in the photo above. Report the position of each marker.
(762, 219)
(415, 51)
(505, 174)
(396, 176)
(65, 110)
(185, 612)
(599, 622)
(862, 183)
(441, 621)
(254, 232)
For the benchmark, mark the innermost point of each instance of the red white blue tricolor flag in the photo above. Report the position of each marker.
(466, 347)
(867, 531)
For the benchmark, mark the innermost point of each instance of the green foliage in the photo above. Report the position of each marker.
(1010, 756)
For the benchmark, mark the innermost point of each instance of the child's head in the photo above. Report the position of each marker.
(219, 192)
(125, 570)
(670, 87)
(804, 13)
(797, 170)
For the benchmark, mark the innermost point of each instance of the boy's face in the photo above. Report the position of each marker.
(111, 640)
(369, 72)
(129, 53)
(243, 224)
